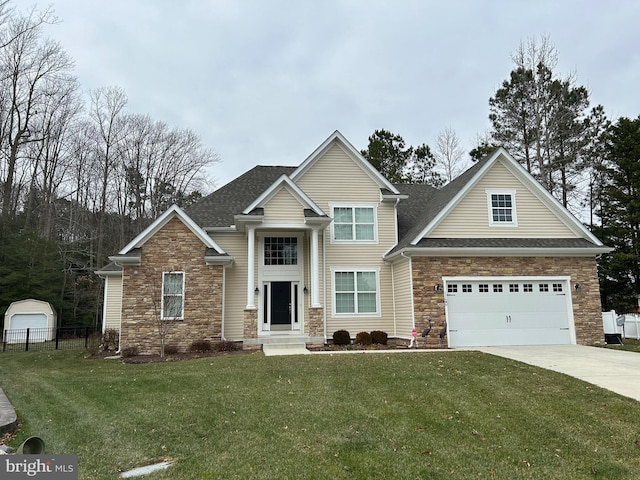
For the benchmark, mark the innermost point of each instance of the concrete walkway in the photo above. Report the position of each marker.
(8, 419)
(615, 370)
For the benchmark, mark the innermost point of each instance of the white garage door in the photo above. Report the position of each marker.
(508, 312)
(28, 320)
(17, 332)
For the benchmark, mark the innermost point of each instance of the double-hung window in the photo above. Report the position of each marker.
(354, 223)
(356, 292)
(172, 295)
(502, 208)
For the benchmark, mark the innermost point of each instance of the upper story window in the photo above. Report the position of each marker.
(354, 224)
(502, 208)
(280, 250)
(172, 295)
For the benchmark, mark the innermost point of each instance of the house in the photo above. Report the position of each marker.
(300, 252)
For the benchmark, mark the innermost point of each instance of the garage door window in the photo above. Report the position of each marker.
(452, 288)
(514, 287)
(483, 288)
(557, 287)
(543, 287)
(497, 288)
(466, 288)
(527, 287)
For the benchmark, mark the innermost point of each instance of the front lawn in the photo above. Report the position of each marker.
(428, 415)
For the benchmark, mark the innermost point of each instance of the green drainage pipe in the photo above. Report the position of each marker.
(31, 446)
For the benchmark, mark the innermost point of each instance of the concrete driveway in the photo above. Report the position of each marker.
(615, 370)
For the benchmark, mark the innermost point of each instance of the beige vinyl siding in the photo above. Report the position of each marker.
(353, 185)
(113, 302)
(283, 208)
(235, 294)
(403, 298)
(470, 218)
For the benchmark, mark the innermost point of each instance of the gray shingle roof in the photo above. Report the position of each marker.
(505, 243)
(218, 208)
(425, 202)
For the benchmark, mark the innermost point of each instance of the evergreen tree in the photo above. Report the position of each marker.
(389, 154)
(620, 215)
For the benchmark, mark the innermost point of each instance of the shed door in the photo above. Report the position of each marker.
(28, 320)
(508, 312)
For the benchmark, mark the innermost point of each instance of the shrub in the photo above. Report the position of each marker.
(130, 351)
(226, 346)
(93, 344)
(379, 337)
(363, 338)
(341, 337)
(200, 346)
(110, 339)
(171, 349)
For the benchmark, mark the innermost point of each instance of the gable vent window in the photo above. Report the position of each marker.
(502, 207)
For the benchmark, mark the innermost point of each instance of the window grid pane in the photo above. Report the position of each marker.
(172, 295)
(281, 251)
(501, 207)
(356, 292)
(353, 223)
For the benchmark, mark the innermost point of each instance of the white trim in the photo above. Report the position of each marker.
(286, 183)
(338, 139)
(161, 221)
(353, 206)
(182, 295)
(355, 270)
(499, 252)
(501, 191)
(528, 181)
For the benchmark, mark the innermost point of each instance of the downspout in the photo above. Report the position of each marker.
(324, 285)
(413, 311)
(224, 293)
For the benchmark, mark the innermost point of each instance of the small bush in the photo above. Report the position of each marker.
(341, 337)
(110, 340)
(200, 346)
(379, 337)
(130, 351)
(93, 345)
(171, 349)
(363, 338)
(226, 346)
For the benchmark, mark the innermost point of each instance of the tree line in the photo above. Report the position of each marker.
(588, 162)
(79, 175)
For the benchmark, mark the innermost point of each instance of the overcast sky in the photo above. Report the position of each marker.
(264, 82)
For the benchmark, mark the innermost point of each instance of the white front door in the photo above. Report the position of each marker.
(522, 311)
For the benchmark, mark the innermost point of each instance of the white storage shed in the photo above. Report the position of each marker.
(37, 316)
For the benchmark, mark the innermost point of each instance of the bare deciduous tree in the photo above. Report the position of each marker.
(449, 154)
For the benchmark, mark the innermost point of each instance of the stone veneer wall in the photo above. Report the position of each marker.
(428, 271)
(315, 322)
(173, 248)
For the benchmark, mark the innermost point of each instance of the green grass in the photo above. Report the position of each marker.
(628, 344)
(425, 415)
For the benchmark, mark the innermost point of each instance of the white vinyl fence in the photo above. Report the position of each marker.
(629, 328)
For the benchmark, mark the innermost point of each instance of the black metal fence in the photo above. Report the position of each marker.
(41, 339)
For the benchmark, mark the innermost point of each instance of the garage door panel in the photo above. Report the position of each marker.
(508, 312)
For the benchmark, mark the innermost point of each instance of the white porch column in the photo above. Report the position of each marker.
(251, 248)
(315, 275)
